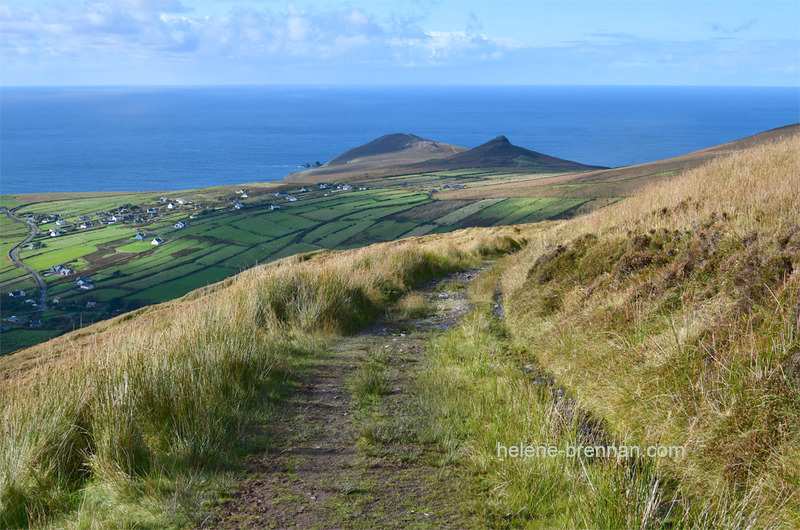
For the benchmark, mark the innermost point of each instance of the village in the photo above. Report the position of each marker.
(140, 217)
(77, 252)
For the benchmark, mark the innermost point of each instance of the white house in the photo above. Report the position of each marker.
(17, 294)
(181, 201)
(291, 198)
(172, 206)
(55, 232)
(157, 241)
(163, 199)
(180, 224)
(62, 270)
(273, 207)
(245, 195)
(323, 186)
(86, 225)
(238, 205)
(61, 222)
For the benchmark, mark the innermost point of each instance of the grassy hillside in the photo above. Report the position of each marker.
(136, 420)
(219, 242)
(674, 319)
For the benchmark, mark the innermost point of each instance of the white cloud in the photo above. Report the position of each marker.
(141, 27)
(153, 41)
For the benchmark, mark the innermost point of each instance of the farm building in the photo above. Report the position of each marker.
(157, 241)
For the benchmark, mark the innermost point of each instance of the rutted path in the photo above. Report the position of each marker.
(334, 463)
(14, 255)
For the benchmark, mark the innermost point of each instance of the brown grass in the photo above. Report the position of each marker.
(675, 316)
(129, 421)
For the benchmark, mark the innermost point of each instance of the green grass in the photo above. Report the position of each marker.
(17, 339)
(462, 213)
(225, 238)
(168, 290)
(477, 396)
(295, 248)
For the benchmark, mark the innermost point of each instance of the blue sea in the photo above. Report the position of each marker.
(155, 138)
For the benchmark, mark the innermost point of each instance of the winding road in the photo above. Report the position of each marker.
(14, 255)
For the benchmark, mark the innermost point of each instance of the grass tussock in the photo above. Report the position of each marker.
(141, 420)
(675, 316)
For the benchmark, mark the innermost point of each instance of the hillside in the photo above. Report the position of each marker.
(388, 151)
(622, 181)
(405, 147)
(401, 154)
(500, 152)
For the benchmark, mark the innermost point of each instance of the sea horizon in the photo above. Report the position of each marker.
(159, 137)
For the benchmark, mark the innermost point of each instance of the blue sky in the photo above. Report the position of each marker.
(226, 42)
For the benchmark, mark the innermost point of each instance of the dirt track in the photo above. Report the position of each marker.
(331, 464)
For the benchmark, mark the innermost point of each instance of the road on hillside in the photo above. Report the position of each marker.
(14, 255)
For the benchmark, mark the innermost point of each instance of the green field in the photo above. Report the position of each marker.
(222, 240)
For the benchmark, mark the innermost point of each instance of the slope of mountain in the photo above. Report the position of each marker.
(500, 152)
(388, 151)
(403, 154)
(621, 181)
(405, 147)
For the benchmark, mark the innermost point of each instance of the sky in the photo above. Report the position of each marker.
(414, 42)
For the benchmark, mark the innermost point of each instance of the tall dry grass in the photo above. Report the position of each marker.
(131, 423)
(675, 316)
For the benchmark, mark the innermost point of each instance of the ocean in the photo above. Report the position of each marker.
(156, 138)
